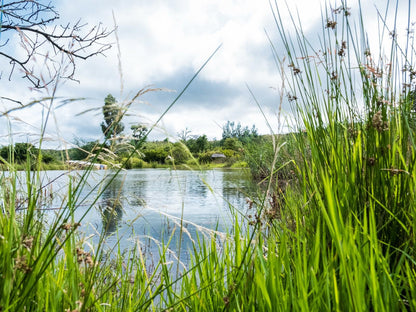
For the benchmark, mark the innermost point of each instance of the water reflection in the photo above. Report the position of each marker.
(236, 188)
(111, 207)
(155, 203)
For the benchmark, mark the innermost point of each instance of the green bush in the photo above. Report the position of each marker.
(136, 163)
(47, 158)
(197, 145)
(232, 144)
(205, 158)
(132, 162)
(84, 149)
(20, 152)
(156, 154)
(180, 153)
(229, 153)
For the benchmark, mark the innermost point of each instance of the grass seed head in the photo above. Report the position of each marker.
(378, 122)
(28, 242)
(330, 24)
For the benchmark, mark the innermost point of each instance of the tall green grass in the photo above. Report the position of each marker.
(340, 237)
(355, 133)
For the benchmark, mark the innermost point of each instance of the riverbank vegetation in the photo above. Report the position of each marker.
(238, 148)
(332, 229)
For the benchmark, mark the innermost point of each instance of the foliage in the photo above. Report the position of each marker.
(136, 163)
(133, 163)
(229, 153)
(204, 158)
(55, 156)
(48, 158)
(20, 152)
(358, 162)
(180, 153)
(260, 155)
(184, 135)
(197, 144)
(112, 126)
(243, 134)
(139, 134)
(409, 104)
(232, 144)
(239, 164)
(156, 151)
(84, 150)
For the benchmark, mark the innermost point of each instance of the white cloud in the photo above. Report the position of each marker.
(159, 41)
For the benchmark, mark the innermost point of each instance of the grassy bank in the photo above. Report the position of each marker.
(338, 235)
(142, 165)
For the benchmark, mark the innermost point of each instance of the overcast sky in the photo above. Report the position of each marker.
(162, 44)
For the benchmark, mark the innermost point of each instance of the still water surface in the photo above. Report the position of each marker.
(144, 203)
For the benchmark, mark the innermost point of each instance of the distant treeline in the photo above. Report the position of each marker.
(21, 152)
(239, 147)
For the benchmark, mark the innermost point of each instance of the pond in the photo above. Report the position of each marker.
(147, 206)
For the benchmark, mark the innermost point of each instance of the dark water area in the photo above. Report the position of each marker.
(144, 207)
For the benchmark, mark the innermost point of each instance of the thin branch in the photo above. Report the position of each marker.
(30, 20)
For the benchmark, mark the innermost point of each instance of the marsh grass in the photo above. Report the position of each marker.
(341, 238)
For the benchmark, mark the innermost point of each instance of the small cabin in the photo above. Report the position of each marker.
(218, 157)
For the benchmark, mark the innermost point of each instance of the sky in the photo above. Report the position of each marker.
(161, 44)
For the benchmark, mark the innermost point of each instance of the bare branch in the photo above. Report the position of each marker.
(51, 49)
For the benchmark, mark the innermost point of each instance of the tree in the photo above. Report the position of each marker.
(139, 133)
(232, 144)
(4, 154)
(21, 152)
(184, 135)
(112, 126)
(156, 151)
(84, 149)
(243, 134)
(197, 144)
(45, 45)
(202, 143)
(47, 158)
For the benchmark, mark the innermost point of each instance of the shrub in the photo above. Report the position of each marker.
(205, 158)
(156, 154)
(229, 153)
(180, 153)
(47, 158)
(137, 162)
(232, 144)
